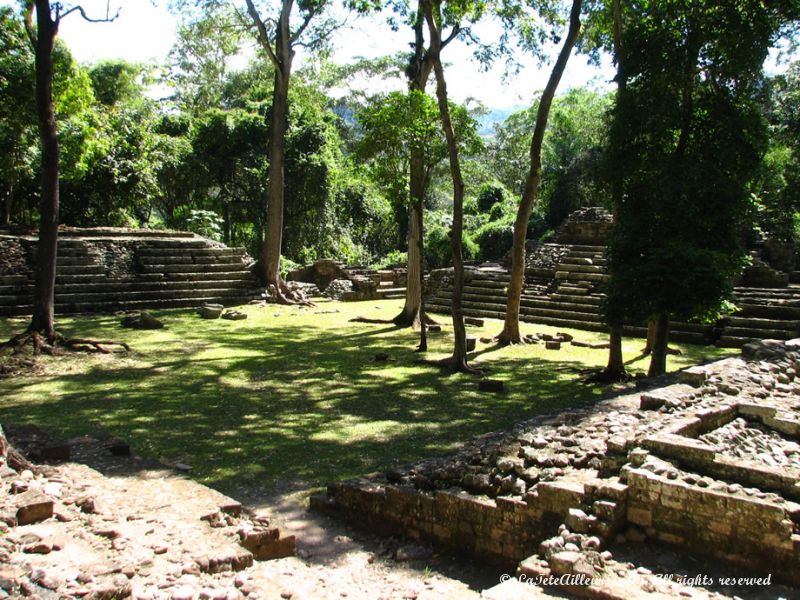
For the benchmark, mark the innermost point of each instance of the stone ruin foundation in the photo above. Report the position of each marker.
(706, 464)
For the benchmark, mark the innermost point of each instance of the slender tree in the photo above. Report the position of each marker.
(278, 38)
(511, 332)
(433, 17)
(42, 331)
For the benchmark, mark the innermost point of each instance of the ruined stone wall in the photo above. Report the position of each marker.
(503, 530)
(589, 226)
(745, 530)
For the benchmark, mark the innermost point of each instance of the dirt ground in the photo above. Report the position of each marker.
(125, 527)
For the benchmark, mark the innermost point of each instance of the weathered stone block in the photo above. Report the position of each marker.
(32, 507)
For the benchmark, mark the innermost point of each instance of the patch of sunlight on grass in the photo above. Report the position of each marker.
(296, 391)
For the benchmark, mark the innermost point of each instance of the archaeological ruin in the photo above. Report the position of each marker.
(708, 464)
(563, 281)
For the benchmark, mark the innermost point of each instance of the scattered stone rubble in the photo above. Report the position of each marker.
(707, 463)
(69, 532)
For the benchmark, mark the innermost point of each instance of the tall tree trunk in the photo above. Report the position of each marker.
(45, 275)
(459, 359)
(411, 316)
(615, 368)
(511, 333)
(418, 72)
(658, 357)
(271, 251)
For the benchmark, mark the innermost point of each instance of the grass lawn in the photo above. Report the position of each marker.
(293, 395)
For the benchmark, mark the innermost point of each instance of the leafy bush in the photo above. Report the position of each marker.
(206, 223)
(494, 239)
(490, 194)
(438, 251)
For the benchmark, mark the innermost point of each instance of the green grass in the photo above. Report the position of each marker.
(293, 394)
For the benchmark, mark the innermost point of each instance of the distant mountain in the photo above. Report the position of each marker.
(494, 116)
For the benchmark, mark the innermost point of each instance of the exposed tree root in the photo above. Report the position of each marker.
(42, 344)
(504, 338)
(283, 294)
(12, 457)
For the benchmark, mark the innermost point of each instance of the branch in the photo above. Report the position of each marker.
(263, 34)
(453, 35)
(296, 35)
(78, 8)
(27, 14)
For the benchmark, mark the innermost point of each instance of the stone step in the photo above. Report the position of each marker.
(125, 297)
(388, 294)
(754, 322)
(757, 333)
(583, 249)
(570, 259)
(147, 286)
(67, 233)
(779, 312)
(116, 305)
(76, 260)
(581, 298)
(207, 276)
(91, 269)
(170, 259)
(154, 249)
(583, 277)
(188, 268)
(591, 255)
(574, 268)
(729, 341)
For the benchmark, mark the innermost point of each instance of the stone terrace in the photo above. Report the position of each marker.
(563, 283)
(105, 269)
(707, 464)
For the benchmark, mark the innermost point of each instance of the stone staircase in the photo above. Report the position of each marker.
(567, 293)
(108, 270)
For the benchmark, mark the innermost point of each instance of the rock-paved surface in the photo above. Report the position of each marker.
(705, 461)
(140, 530)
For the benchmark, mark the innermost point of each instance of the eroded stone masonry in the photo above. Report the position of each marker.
(707, 464)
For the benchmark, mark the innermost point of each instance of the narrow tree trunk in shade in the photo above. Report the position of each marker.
(511, 332)
(616, 365)
(410, 315)
(651, 337)
(5, 215)
(658, 356)
(423, 325)
(615, 369)
(46, 251)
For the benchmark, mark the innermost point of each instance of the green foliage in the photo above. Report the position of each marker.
(494, 239)
(490, 194)
(390, 128)
(571, 155)
(438, 246)
(206, 223)
(116, 81)
(686, 138)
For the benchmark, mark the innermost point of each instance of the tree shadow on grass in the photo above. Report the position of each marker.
(304, 404)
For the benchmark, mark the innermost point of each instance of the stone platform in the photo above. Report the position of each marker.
(564, 280)
(707, 463)
(107, 269)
